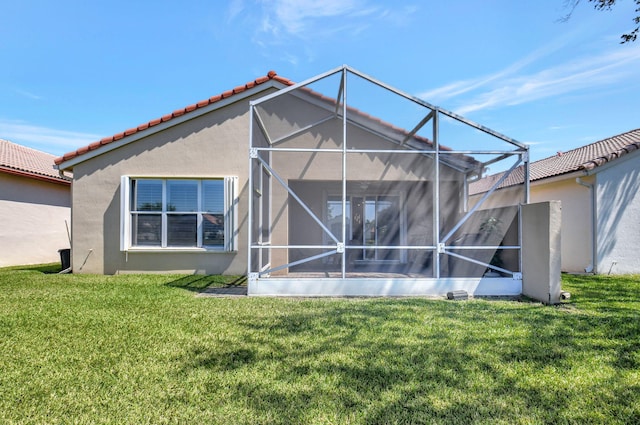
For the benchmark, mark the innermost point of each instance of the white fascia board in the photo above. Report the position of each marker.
(68, 165)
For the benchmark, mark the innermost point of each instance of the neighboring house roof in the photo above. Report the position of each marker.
(584, 158)
(23, 161)
(271, 75)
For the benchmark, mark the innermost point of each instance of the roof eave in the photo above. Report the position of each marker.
(109, 146)
(41, 177)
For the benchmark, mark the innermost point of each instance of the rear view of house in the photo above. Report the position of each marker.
(338, 185)
(35, 203)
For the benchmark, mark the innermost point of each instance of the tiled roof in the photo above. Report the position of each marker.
(583, 158)
(21, 160)
(271, 75)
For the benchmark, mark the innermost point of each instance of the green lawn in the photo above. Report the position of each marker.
(144, 349)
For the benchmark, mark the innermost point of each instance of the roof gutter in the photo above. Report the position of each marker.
(48, 179)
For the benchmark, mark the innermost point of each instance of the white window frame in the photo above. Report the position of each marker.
(230, 217)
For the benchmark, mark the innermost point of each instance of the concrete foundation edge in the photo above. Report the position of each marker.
(380, 287)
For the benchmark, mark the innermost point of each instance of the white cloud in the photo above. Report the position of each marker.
(235, 8)
(587, 73)
(296, 16)
(309, 19)
(461, 87)
(46, 139)
(27, 94)
(286, 23)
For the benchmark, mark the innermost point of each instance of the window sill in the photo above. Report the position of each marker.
(181, 250)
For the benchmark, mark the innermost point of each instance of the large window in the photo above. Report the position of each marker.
(178, 213)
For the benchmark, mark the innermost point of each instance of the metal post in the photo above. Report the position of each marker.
(250, 191)
(344, 172)
(436, 192)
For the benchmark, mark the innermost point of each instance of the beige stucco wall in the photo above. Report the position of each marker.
(541, 240)
(33, 214)
(399, 170)
(576, 228)
(618, 206)
(216, 145)
(212, 145)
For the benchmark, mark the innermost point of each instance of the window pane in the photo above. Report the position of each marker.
(370, 226)
(146, 229)
(213, 227)
(148, 195)
(388, 226)
(334, 216)
(213, 196)
(181, 229)
(182, 195)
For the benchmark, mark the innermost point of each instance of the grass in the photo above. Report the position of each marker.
(144, 349)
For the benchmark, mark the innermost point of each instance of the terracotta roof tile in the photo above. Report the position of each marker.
(18, 159)
(203, 103)
(583, 158)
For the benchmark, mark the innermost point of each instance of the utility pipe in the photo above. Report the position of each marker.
(592, 198)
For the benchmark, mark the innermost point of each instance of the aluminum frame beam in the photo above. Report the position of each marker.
(341, 102)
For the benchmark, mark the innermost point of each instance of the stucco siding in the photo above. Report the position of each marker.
(618, 205)
(33, 214)
(576, 230)
(212, 145)
(325, 169)
(216, 145)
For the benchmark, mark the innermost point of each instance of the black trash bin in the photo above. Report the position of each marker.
(65, 258)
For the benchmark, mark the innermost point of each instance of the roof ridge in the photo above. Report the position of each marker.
(271, 75)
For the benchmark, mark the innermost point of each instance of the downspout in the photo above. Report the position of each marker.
(592, 196)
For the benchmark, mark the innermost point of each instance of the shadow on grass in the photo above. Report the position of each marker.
(51, 268)
(200, 283)
(420, 361)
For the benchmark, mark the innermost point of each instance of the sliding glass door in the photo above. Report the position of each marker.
(373, 222)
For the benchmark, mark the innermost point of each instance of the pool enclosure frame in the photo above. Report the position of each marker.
(266, 278)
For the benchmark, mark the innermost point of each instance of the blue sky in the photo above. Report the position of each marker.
(73, 72)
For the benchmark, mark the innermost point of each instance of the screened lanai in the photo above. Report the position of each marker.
(357, 188)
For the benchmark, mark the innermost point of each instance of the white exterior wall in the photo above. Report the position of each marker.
(618, 205)
(33, 214)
